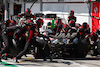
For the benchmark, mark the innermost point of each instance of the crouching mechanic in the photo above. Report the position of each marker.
(7, 35)
(39, 23)
(83, 30)
(58, 26)
(31, 28)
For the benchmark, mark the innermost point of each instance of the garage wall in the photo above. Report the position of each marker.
(81, 10)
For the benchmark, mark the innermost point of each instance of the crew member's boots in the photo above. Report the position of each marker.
(95, 53)
(4, 56)
(45, 59)
(15, 60)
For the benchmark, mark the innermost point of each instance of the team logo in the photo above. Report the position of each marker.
(95, 9)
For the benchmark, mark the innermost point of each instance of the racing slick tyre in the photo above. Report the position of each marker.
(98, 47)
(43, 49)
(81, 49)
(17, 48)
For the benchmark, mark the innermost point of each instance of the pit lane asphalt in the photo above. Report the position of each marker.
(89, 61)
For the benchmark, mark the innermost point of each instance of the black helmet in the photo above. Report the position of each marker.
(8, 22)
(71, 12)
(84, 25)
(28, 11)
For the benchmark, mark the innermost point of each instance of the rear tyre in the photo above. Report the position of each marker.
(81, 49)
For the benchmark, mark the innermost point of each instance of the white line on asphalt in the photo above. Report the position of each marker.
(12, 63)
(72, 62)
